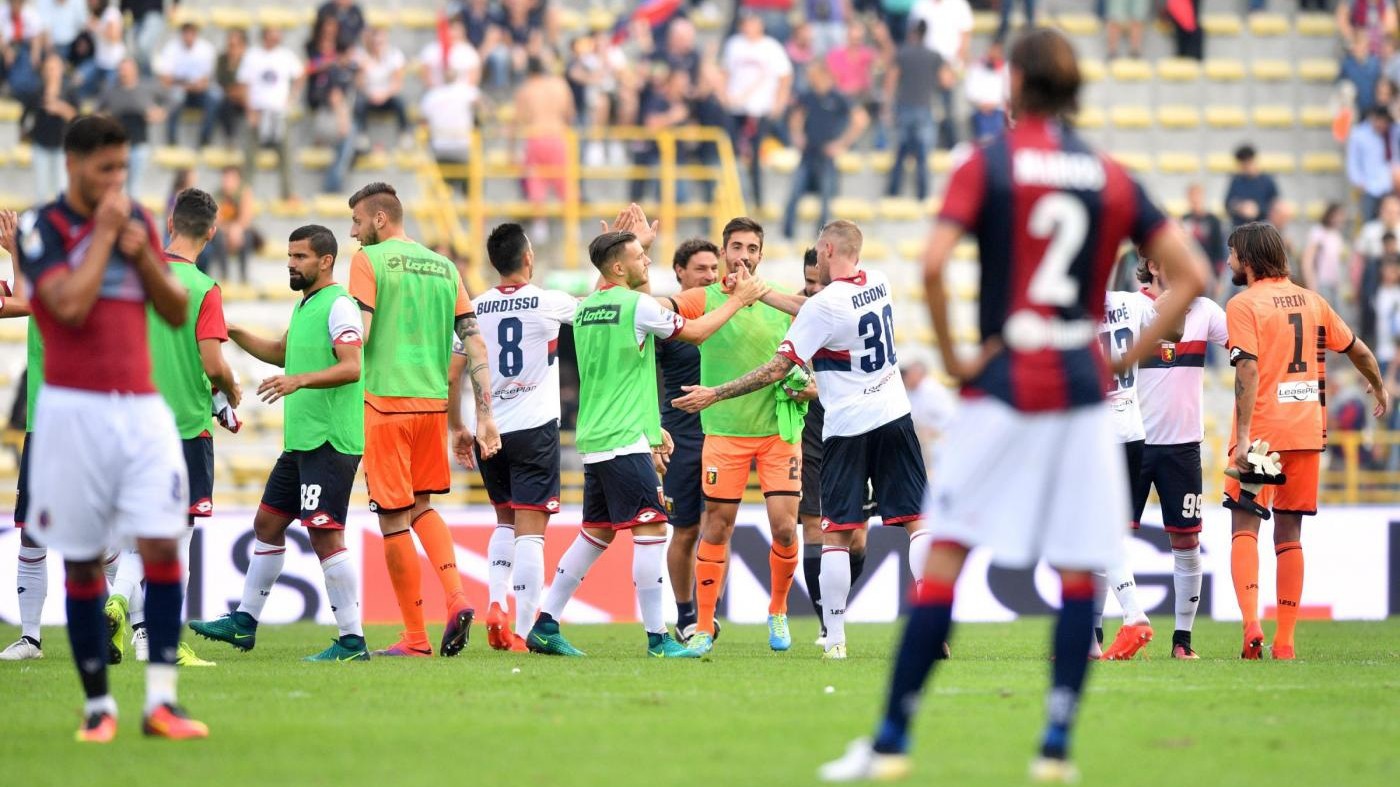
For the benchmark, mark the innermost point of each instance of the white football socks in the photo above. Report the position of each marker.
(264, 567)
(528, 574)
(836, 586)
(1186, 577)
(109, 566)
(500, 554)
(648, 552)
(160, 685)
(32, 581)
(573, 566)
(1100, 597)
(130, 572)
(920, 541)
(1124, 587)
(343, 591)
(184, 546)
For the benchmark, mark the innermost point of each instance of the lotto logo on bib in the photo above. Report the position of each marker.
(1305, 391)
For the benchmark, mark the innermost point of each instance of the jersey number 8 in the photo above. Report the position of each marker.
(511, 359)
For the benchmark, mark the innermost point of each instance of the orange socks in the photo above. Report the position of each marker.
(710, 562)
(1290, 590)
(782, 563)
(437, 544)
(402, 560)
(1244, 570)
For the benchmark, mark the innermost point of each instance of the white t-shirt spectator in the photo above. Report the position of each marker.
(1387, 323)
(269, 74)
(186, 64)
(29, 25)
(379, 71)
(109, 53)
(461, 59)
(448, 110)
(754, 70)
(947, 21)
(63, 19)
(986, 86)
(1370, 241)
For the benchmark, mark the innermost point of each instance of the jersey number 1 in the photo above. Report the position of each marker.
(1298, 364)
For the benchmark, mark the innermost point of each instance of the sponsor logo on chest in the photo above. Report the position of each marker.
(1305, 391)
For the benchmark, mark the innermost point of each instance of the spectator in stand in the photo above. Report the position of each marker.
(234, 107)
(272, 74)
(1004, 27)
(1386, 305)
(1189, 34)
(461, 57)
(909, 92)
(186, 70)
(544, 112)
(333, 123)
(148, 25)
(758, 82)
(22, 49)
(109, 49)
(381, 69)
(448, 111)
(349, 19)
(663, 108)
(1390, 61)
(525, 28)
(43, 122)
(895, 14)
(322, 53)
(853, 65)
(828, 21)
(236, 237)
(64, 21)
(824, 124)
(776, 16)
(680, 52)
(136, 102)
(707, 109)
(1322, 267)
(950, 35)
(987, 87)
(1281, 214)
(1373, 18)
(476, 15)
(1362, 68)
(589, 80)
(1251, 193)
(1129, 14)
(801, 50)
(1368, 251)
(1371, 147)
(1205, 227)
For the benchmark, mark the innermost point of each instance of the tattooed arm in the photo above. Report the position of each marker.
(469, 332)
(698, 397)
(1246, 389)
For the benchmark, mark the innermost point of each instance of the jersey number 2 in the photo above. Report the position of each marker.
(1065, 221)
(878, 332)
(508, 335)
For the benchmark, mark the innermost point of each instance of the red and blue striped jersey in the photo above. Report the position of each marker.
(1049, 214)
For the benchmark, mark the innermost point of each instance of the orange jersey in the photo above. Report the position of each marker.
(1288, 330)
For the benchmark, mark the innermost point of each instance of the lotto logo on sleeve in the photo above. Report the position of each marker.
(1305, 391)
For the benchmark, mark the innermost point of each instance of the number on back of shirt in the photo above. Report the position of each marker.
(878, 332)
(1120, 340)
(511, 358)
(1063, 219)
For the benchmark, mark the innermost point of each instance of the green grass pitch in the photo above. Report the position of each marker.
(745, 716)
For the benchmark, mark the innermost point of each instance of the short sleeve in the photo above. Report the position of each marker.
(560, 306)
(1217, 332)
(782, 66)
(653, 319)
(40, 248)
(1340, 337)
(691, 303)
(967, 188)
(1244, 334)
(210, 322)
(809, 332)
(1147, 219)
(344, 323)
(363, 286)
(464, 303)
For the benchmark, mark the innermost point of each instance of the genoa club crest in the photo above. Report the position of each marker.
(1167, 352)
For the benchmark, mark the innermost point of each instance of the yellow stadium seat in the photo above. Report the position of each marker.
(1316, 25)
(781, 250)
(282, 18)
(932, 205)
(856, 209)
(181, 14)
(1078, 24)
(287, 209)
(1090, 118)
(1178, 163)
(1317, 117)
(1322, 162)
(1270, 25)
(372, 161)
(14, 331)
(1176, 207)
(1271, 70)
(218, 157)
(418, 18)
(850, 163)
(808, 209)
(1221, 25)
(1224, 70)
(941, 162)
(1130, 117)
(1318, 69)
(875, 250)
(984, 23)
(569, 19)
(155, 205)
(23, 155)
(1220, 163)
(246, 469)
(231, 17)
(409, 159)
(1092, 70)
(782, 161)
(1178, 116)
(4, 157)
(909, 249)
(901, 209)
(234, 291)
(1130, 70)
(1137, 162)
(381, 17)
(175, 158)
(1314, 209)
(1225, 117)
(10, 111)
(1274, 116)
(1278, 163)
(1178, 69)
(965, 250)
(315, 158)
(600, 19)
(880, 161)
(328, 205)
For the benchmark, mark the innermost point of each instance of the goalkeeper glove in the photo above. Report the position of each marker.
(1264, 470)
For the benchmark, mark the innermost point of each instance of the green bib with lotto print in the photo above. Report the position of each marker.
(748, 340)
(415, 305)
(34, 378)
(175, 363)
(312, 417)
(617, 379)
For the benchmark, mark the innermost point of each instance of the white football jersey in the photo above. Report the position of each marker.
(1170, 382)
(1125, 315)
(845, 335)
(521, 327)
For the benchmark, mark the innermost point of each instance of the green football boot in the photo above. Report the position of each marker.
(238, 629)
(702, 643)
(347, 648)
(186, 657)
(117, 631)
(662, 646)
(545, 638)
(779, 638)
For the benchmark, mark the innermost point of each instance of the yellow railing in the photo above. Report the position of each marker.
(491, 160)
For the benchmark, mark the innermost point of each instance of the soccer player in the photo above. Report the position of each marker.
(1169, 384)
(1049, 214)
(696, 265)
(322, 439)
(416, 299)
(520, 324)
(619, 435)
(846, 334)
(185, 361)
(742, 432)
(92, 260)
(1279, 335)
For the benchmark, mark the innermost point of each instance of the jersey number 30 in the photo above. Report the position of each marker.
(878, 332)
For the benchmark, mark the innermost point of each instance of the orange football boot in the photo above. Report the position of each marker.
(1282, 653)
(171, 721)
(1253, 642)
(100, 727)
(498, 633)
(1129, 641)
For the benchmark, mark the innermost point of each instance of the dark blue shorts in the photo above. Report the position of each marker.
(524, 474)
(22, 491)
(199, 461)
(684, 500)
(1132, 453)
(886, 460)
(622, 492)
(1175, 470)
(313, 486)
